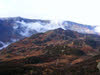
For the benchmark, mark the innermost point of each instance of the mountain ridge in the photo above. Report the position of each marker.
(15, 28)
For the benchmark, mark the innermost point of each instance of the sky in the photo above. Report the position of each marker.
(80, 11)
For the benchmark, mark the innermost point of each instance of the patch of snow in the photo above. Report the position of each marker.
(4, 45)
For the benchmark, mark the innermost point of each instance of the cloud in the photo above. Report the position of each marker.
(97, 29)
(27, 29)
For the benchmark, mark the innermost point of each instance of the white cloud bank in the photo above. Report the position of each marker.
(37, 26)
(97, 29)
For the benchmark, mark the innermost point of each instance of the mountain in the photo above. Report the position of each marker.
(13, 29)
(34, 45)
(55, 52)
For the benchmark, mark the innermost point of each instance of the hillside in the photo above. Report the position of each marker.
(56, 47)
(54, 50)
(88, 43)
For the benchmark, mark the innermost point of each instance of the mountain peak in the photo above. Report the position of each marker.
(59, 29)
